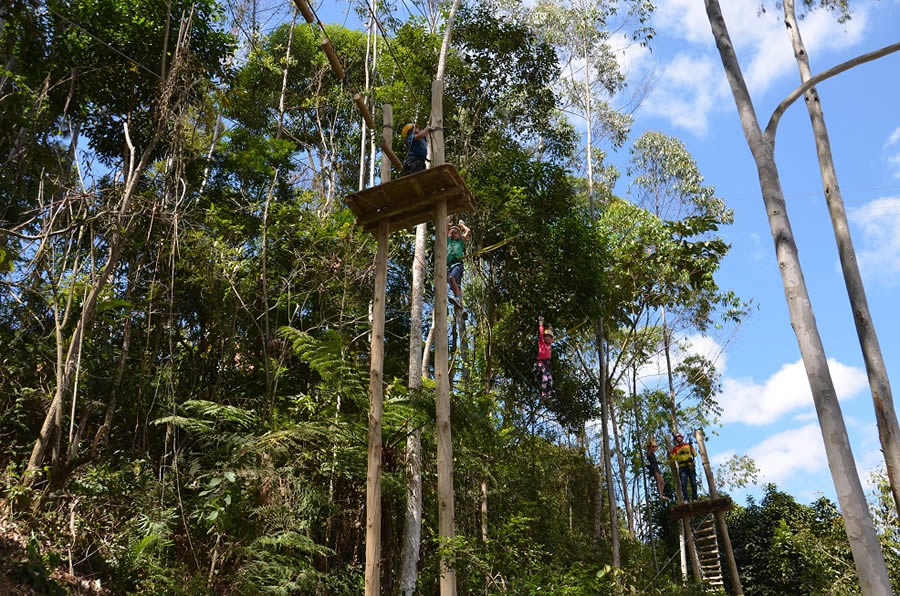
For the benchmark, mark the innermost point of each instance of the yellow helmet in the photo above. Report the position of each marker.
(408, 128)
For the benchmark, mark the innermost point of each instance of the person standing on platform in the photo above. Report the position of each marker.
(416, 148)
(456, 248)
(653, 464)
(683, 455)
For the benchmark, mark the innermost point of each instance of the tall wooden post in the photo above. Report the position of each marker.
(685, 521)
(388, 134)
(376, 395)
(720, 516)
(441, 351)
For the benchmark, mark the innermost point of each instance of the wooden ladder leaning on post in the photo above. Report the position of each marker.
(393, 205)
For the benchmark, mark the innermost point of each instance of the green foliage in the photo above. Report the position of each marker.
(783, 547)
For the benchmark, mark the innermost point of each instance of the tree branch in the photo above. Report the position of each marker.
(813, 81)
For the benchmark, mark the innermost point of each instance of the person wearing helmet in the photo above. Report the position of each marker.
(683, 455)
(653, 464)
(416, 148)
(456, 237)
(542, 365)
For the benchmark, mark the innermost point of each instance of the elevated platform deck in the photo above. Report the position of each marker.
(410, 200)
(700, 507)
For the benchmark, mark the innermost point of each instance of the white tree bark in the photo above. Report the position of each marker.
(886, 417)
(864, 544)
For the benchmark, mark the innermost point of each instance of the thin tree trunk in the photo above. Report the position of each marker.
(864, 544)
(629, 514)
(667, 347)
(607, 461)
(886, 417)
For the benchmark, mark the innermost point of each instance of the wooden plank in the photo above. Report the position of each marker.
(303, 7)
(392, 157)
(333, 59)
(416, 187)
(364, 110)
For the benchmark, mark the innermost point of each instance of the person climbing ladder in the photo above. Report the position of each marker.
(456, 248)
(542, 364)
(417, 148)
(683, 455)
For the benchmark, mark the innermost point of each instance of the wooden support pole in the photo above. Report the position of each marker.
(333, 59)
(441, 351)
(387, 132)
(303, 7)
(720, 516)
(685, 522)
(364, 110)
(376, 398)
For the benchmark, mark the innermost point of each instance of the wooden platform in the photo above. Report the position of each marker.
(410, 200)
(701, 507)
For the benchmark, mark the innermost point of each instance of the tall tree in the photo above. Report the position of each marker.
(885, 416)
(867, 554)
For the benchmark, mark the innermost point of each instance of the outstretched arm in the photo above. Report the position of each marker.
(541, 328)
(465, 229)
(422, 134)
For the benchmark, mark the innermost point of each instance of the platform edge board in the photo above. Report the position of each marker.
(697, 508)
(424, 204)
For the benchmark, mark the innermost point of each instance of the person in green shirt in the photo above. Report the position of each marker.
(456, 248)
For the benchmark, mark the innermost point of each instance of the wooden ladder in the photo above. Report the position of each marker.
(707, 544)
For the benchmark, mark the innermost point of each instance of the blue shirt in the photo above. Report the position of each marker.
(417, 147)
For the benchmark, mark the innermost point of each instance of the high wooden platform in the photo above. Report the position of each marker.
(701, 507)
(410, 200)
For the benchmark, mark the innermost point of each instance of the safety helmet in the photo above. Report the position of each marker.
(408, 128)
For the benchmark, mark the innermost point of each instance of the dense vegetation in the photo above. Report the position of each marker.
(184, 312)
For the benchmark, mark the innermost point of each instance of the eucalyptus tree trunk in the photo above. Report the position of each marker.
(667, 345)
(629, 514)
(886, 417)
(607, 462)
(864, 544)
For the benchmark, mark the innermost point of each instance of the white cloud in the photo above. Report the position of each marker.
(894, 138)
(763, 47)
(805, 416)
(878, 224)
(686, 91)
(783, 455)
(745, 400)
(654, 372)
(891, 152)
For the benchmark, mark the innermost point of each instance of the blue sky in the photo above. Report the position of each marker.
(768, 406)
(768, 409)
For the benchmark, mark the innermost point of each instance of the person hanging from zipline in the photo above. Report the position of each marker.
(683, 455)
(653, 464)
(456, 248)
(542, 364)
(416, 148)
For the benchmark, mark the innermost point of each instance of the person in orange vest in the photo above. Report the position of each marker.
(683, 455)
(653, 464)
